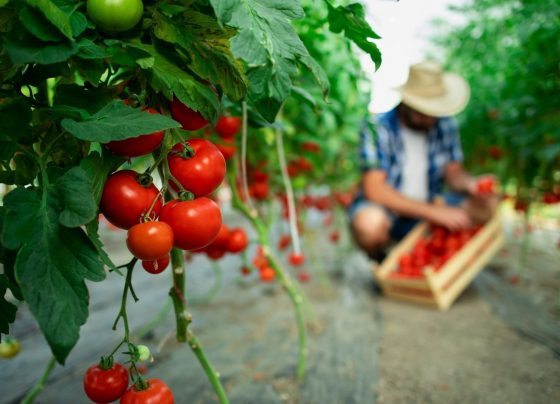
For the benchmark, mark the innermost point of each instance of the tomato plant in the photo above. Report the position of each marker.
(66, 136)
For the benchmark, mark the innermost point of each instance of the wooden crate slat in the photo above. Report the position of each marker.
(448, 296)
(412, 298)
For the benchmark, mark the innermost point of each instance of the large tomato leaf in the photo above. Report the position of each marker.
(24, 48)
(351, 20)
(167, 77)
(269, 45)
(55, 15)
(54, 260)
(117, 121)
(208, 48)
(74, 192)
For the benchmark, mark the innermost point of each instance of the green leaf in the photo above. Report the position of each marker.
(7, 309)
(171, 80)
(207, 45)
(36, 23)
(26, 49)
(55, 15)
(92, 229)
(51, 266)
(15, 120)
(89, 50)
(26, 169)
(351, 20)
(7, 150)
(269, 45)
(82, 98)
(117, 121)
(97, 170)
(75, 192)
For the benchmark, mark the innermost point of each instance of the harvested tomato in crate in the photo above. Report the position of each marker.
(433, 266)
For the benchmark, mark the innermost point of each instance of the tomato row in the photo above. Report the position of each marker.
(228, 240)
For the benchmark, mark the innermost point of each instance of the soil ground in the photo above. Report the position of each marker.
(499, 343)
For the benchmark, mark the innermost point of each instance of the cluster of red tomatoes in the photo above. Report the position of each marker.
(226, 128)
(105, 385)
(257, 181)
(232, 241)
(434, 249)
(191, 221)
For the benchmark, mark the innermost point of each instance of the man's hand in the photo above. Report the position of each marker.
(449, 217)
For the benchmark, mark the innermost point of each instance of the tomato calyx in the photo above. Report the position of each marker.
(106, 362)
(186, 152)
(145, 180)
(186, 196)
(141, 384)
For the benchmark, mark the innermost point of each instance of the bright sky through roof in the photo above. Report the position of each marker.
(405, 27)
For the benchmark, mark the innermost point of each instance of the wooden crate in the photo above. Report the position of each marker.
(440, 289)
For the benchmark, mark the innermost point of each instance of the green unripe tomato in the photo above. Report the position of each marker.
(143, 352)
(114, 16)
(9, 348)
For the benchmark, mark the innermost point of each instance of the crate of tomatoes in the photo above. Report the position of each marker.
(433, 266)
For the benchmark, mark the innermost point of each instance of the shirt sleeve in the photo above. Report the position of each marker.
(452, 139)
(371, 150)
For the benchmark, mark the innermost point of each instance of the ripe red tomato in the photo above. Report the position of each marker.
(311, 147)
(157, 393)
(228, 149)
(267, 274)
(114, 16)
(284, 241)
(486, 185)
(304, 276)
(125, 199)
(137, 146)
(221, 239)
(214, 253)
(237, 241)
(157, 266)
(334, 237)
(259, 190)
(405, 261)
(245, 271)
(296, 259)
(260, 262)
(203, 172)
(258, 175)
(228, 126)
(105, 386)
(195, 223)
(191, 120)
(150, 241)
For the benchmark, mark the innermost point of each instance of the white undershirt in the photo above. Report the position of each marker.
(414, 179)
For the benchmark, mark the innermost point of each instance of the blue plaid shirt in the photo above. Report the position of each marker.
(386, 151)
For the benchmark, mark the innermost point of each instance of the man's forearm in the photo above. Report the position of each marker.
(387, 196)
(457, 178)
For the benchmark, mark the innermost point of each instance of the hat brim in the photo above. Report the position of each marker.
(453, 101)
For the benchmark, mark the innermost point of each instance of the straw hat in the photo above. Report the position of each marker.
(434, 92)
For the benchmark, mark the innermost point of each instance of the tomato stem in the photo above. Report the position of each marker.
(295, 295)
(40, 385)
